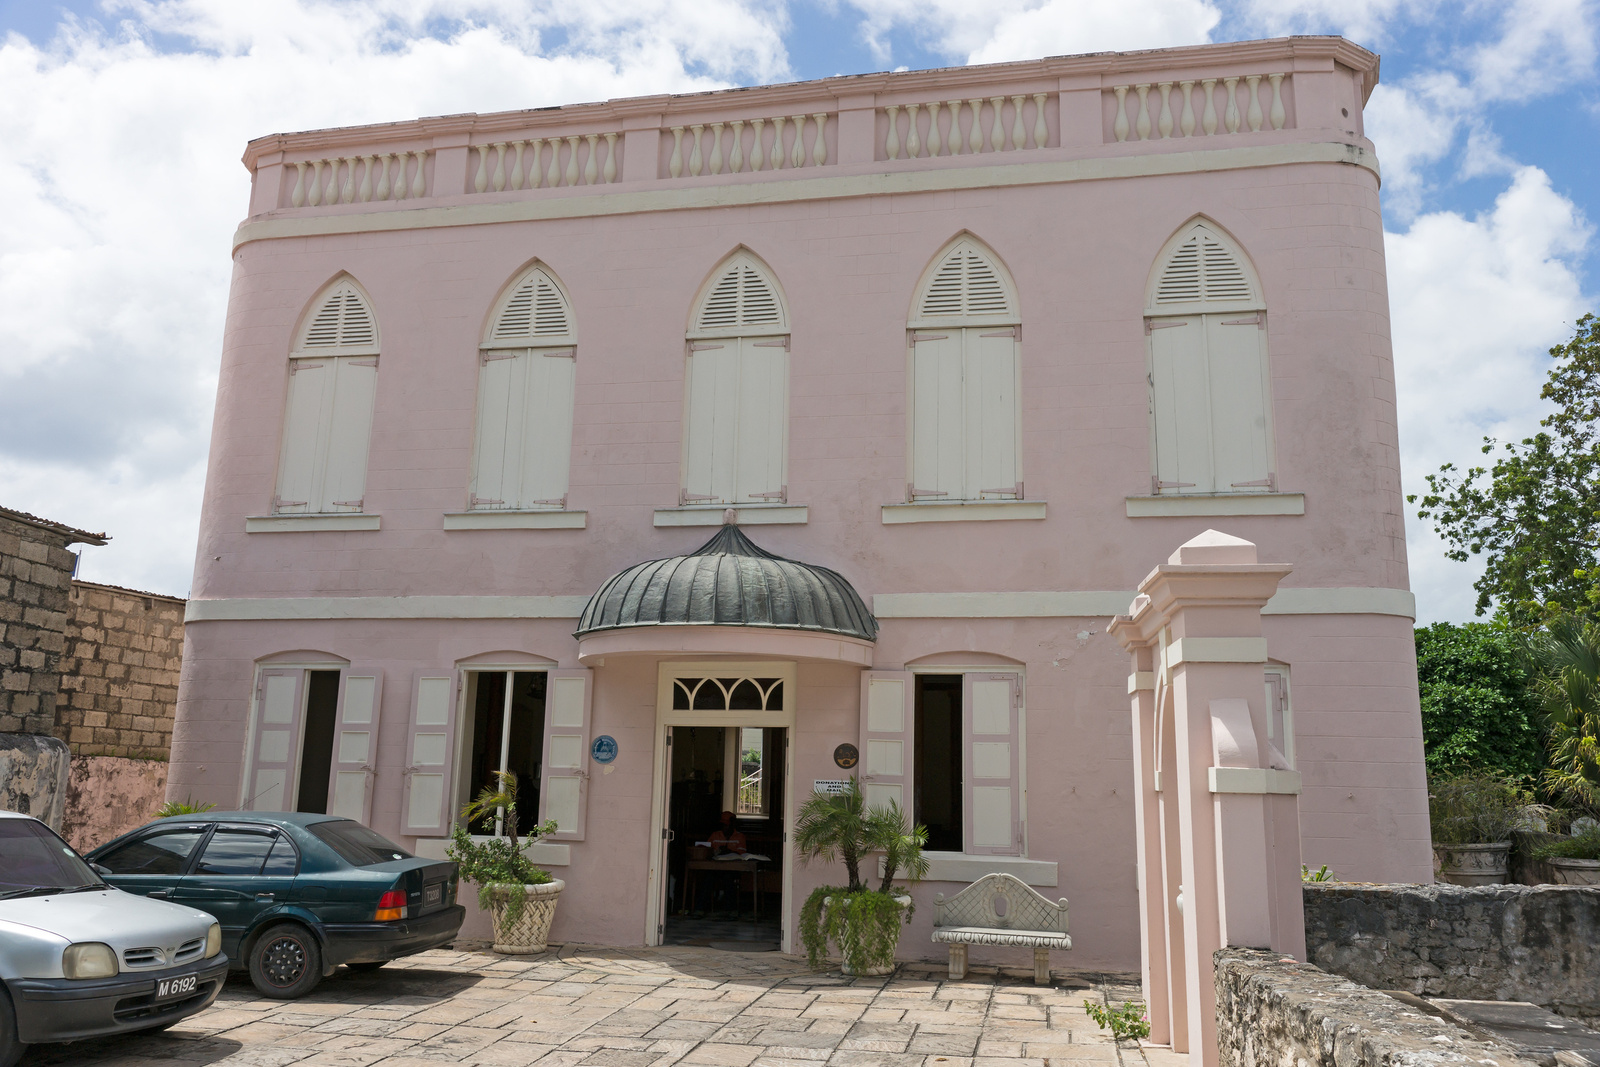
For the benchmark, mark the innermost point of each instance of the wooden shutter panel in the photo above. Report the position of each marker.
(564, 791)
(304, 435)
(762, 418)
(498, 451)
(349, 434)
(355, 740)
(993, 764)
(430, 740)
(713, 426)
(546, 428)
(1236, 364)
(938, 452)
(991, 411)
(1280, 723)
(1180, 405)
(275, 744)
(888, 725)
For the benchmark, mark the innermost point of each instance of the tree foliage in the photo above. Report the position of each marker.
(1478, 716)
(1535, 513)
(1566, 655)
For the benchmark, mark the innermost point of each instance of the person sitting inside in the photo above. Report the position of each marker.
(728, 837)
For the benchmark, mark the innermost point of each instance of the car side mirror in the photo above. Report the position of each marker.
(101, 871)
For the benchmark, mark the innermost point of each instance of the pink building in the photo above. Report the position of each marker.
(966, 352)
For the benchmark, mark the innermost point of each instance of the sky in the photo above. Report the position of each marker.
(122, 122)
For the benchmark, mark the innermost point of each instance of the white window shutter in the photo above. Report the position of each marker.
(1180, 405)
(888, 725)
(712, 433)
(497, 458)
(991, 412)
(564, 791)
(743, 297)
(305, 440)
(938, 447)
(548, 395)
(993, 764)
(430, 741)
(275, 741)
(1236, 351)
(349, 434)
(355, 742)
(763, 419)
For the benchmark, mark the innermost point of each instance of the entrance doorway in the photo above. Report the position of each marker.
(316, 750)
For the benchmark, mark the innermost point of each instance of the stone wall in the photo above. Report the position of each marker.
(35, 573)
(1500, 942)
(110, 795)
(1272, 1010)
(119, 674)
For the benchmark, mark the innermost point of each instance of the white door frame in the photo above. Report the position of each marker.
(655, 898)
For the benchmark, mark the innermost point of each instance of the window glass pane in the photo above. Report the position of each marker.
(356, 844)
(937, 776)
(282, 860)
(752, 756)
(234, 852)
(158, 853)
(525, 744)
(31, 856)
(745, 696)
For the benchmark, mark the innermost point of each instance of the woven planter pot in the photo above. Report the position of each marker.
(1574, 872)
(1474, 864)
(874, 966)
(531, 930)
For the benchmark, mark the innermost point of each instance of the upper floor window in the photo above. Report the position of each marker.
(965, 336)
(1211, 423)
(333, 376)
(528, 368)
(737, 425)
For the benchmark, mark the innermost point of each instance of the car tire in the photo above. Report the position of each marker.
(285, 962)
(11, 1049)
(366, 965)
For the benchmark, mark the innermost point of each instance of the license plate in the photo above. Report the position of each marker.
(177, 988)
(432, 894)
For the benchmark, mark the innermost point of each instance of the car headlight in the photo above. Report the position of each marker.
(213, 940)
(89, 960)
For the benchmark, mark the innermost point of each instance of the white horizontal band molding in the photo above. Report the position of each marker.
(1343, 601)
(516, 520)
(1259, 781)
(303, 523)
(385, 607)
(967, 511)
(1216, 650)
(1099, 168)
(1143, 507)
(748, 515)
(542, 853)
(950, 867)
(1141, 680)
(1358, 600)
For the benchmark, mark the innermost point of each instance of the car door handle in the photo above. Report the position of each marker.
(264, 896)
(163, 894)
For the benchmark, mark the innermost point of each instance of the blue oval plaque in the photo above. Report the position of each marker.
(604, 749)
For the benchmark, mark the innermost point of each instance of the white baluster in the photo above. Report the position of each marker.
(419, 184)
(891, 143)
(347, 194)
(819, 150)
(1186, 124)
(499, 181)
(1119, 126)
(913, 138)
(516, 166)
(1277, 100)
(736, 156)
(1041, 132)
(975, 135)
(553, 179)
(1018, 135)
(1208, 120)
(1253, 87)
(480, 181)
(365, 192)
(997, 131)
(955, 139)
(675, 164)
(1141, 125)
(716, 148)
(535, 170)
(315, 196)
(775, 158)
(331, 193)
(610, 173)
(298, 197)
(571, 176)
(1230, 114)
(797, 154)
(382, 191)
(933, 129)
(591, 169)
(401, 182)
(758, 151)
(1164, 124)
(694, 151)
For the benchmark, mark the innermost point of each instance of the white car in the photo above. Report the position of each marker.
(81, 959)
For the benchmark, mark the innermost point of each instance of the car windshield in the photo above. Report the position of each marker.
(33, 860)
(356, 844)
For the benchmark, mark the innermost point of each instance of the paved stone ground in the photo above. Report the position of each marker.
(603, 1007)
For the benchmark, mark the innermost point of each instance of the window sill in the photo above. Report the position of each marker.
(543, 853)
(303, 523)
(963, 511)
(516, 520)
(748, 514)
(1143, 507)
(959, 867)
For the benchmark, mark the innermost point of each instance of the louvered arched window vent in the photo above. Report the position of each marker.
(967, 284)
(535, 312)
(343, 324)
(743, 301)
(1202, 271)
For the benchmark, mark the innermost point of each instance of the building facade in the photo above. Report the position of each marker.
(959, 355)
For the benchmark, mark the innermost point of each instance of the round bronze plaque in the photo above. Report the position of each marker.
(846, 756)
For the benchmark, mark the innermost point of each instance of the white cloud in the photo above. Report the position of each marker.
(1476, 304)
(121, 182)
(1366, 21)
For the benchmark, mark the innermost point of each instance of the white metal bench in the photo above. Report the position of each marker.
(1000, 909)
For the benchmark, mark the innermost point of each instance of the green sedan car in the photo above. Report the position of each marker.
(296, 894)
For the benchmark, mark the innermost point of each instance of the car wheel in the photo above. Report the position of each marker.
(367, 965)
(10, 1048)
(285, 962)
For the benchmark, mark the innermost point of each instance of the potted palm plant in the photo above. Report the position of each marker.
(1473, 819)
(1573, 860)
(519, 895)
(863, 921)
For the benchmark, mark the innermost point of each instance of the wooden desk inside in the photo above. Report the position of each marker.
(692, 869)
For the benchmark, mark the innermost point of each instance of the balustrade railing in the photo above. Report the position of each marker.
(551, 162)
(334, 181)
(1154, 111)
(786, 142)
(964, 126)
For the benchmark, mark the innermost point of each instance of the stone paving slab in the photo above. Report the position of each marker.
(583, 1006)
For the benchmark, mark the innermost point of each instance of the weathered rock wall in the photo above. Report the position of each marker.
(110, 795)
(1500, 942)
(33, 776)
(35, 573)
(1272, 1011)
(119, 673)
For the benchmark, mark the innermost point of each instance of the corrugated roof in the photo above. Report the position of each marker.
(73, 534)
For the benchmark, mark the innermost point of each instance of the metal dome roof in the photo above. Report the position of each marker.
(729, 581)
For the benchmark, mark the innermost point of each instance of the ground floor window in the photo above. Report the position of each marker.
(936, 775)
(966, 766)
(316, 758)
(505, 732)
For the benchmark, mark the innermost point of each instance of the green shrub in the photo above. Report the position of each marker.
(1478, 715)
(1321, 874)
(1480, 810)
(863, 923)
(1585, 846)
(1126, 1022)
(498, 861)
(174, 808)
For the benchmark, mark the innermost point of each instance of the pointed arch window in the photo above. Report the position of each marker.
(965, 338)
(333, 375)
(526, 378)
(737, 410)
(1211, 426)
